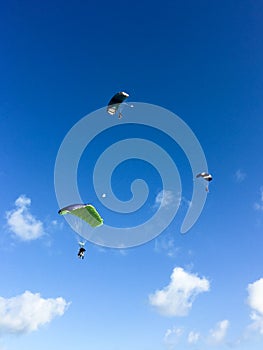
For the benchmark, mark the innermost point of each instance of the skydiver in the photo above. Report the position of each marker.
(81, 252)
(207, 177)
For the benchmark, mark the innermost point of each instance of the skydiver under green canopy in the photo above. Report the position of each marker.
(81, 252)
(87, 213)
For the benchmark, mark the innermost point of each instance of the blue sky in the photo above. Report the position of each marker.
(62, 60)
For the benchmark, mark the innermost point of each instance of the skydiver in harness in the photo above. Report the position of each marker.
(82, 250)
(207, 177)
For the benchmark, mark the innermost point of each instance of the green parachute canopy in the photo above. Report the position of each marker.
(85, 212)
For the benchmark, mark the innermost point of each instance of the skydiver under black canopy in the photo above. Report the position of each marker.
(115, 102)
(207, 177)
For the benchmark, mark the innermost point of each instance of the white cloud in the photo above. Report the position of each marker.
(255, 301)
(166, 244)
(259, 205)
(177, 298)
(27, 312)
(218, 334)
(2, 347)
(186, 202)
(172, 336)
(240, 176)
(165, 198)
(193, 337)
(22, 223)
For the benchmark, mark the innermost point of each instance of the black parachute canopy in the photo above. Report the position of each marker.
(115, 102)
(205, 176)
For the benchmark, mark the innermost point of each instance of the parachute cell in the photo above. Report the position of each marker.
(116, 101)
(205, 176)
(85, 212)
